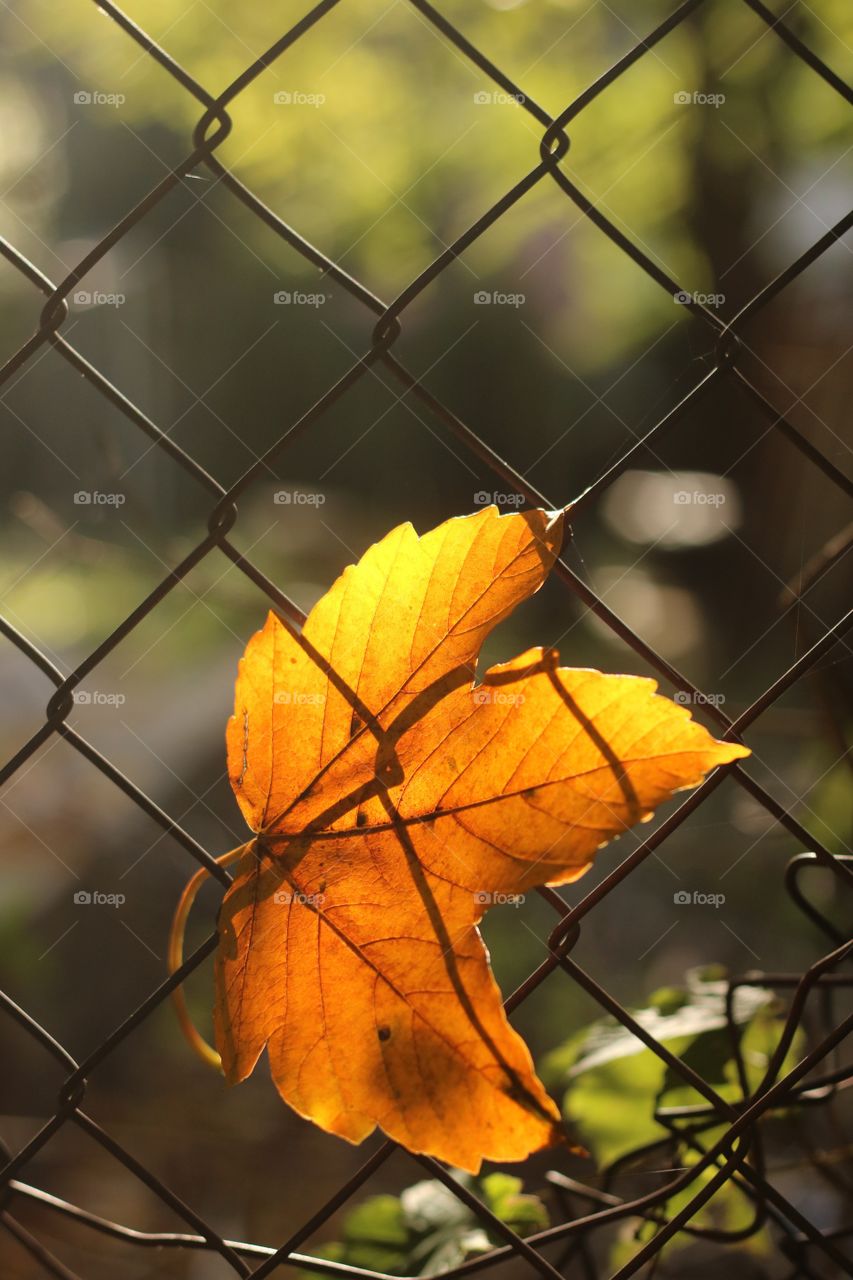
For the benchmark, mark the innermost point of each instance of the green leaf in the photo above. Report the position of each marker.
(613, 1084)
(612, 1105)
(431, 1204)
(503, 1195)
(428, 1230)
(379, 1220)
(375, 1237)
(729, 1209)
(615, 1087)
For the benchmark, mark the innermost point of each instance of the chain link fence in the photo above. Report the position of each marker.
(570, 1246)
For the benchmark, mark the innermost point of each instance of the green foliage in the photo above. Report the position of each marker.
(728, 1210)
(362, 174)
(616, 1090)
(427, 1230)
(614, 1085)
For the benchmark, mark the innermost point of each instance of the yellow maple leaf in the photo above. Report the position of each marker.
(393, 800)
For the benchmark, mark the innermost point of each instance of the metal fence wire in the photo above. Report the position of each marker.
(736, 1156)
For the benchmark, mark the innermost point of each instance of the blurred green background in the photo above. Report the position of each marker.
(380, 143)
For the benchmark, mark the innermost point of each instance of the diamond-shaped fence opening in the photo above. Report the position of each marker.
(179, 421)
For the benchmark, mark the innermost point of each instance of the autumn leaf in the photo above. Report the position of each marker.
(393, 799)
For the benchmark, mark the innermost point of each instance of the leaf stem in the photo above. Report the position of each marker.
(175, 957)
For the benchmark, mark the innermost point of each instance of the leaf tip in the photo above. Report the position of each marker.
(731, 751)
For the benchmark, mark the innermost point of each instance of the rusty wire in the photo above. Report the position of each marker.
(737, 1156)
